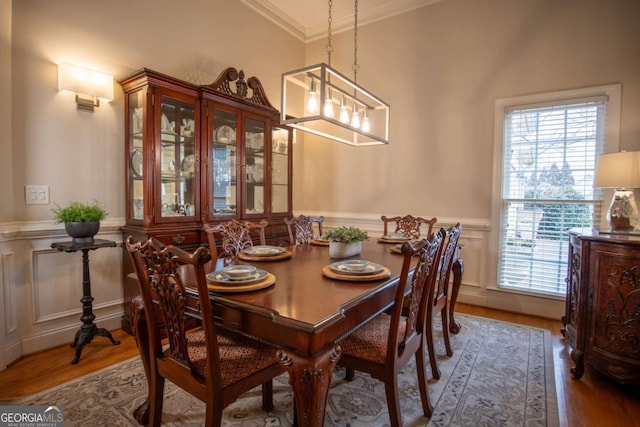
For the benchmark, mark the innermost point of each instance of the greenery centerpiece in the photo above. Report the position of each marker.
(81, 220)
(345, 241)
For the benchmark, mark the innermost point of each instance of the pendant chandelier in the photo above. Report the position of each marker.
(320, 100)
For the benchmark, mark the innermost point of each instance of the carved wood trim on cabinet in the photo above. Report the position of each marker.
(602, 321)
(175, 161)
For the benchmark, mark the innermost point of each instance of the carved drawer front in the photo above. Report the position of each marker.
(180, 239)
(615, 326)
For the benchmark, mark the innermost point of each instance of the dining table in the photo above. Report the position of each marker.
(305, 314)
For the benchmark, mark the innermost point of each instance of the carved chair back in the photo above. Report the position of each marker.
(384, 345)
(408, 225)
(438, 297)
(300, 228)
(235, 236)
(193, 359)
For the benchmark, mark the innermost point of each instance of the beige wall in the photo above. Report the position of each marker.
(194, 40)
(80, 155)
(441, 68)
(6, 209)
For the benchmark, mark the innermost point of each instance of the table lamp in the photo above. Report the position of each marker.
(620, 171)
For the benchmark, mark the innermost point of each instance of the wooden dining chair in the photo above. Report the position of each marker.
(235, 236)
(438, 297)
(408, 225)
(300, 228)
(213, 365)
(385, 344)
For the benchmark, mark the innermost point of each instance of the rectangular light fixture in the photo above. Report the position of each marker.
(320, 100)
(88, 85)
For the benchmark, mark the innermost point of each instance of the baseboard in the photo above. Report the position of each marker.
(537, 305)
(66, 334)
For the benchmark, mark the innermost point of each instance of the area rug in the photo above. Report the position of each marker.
(500, 374)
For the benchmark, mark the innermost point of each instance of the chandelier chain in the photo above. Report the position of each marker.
(329, 46)
(356, 67)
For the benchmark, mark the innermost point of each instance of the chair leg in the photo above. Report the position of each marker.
(393, 402)
(349, 374)
(427, 408)
(267, 396)
(295, 414)
(156, 398)
(435, 372)
(445, 331)
(213, 415)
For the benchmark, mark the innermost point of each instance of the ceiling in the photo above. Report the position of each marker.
(308, 19)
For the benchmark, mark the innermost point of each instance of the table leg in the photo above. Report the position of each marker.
(458, 270)
(310, 378)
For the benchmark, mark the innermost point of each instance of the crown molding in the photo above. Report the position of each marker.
(304, 33)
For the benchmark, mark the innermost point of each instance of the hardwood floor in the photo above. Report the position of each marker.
(594, 401)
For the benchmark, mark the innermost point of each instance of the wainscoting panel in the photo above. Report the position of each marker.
(57, 282)
(8, 289)
(478, 282)
(56, 286)
(42, 287)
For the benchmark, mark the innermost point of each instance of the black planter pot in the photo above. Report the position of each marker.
(82, 232)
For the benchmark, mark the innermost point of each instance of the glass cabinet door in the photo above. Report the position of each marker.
(136, 156)
(178, 163)
(224, 192)
(280, 170)
(254, 162)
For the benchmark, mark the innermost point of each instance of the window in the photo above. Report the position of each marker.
(549, 152)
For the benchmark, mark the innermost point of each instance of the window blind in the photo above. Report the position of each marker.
(549, 159)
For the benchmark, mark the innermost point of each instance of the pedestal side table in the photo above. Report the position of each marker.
(88, 329)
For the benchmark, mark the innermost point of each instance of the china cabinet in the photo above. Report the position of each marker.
(602, 320)
(199, 154)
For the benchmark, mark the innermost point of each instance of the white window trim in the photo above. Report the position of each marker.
(612, 144)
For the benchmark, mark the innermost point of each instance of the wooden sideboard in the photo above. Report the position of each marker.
(602, 318)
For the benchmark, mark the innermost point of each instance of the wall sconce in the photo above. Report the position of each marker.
(89, 85)
(620, 171)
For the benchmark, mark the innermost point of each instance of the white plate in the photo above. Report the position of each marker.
(225, 134)
(136, 163)
(219, 277)
(264, 250)
(343, 267)
(188, 163)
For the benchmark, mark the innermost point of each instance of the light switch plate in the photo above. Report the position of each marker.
(36, 194)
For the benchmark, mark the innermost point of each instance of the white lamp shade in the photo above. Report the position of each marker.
(618, 170)
(85, 81)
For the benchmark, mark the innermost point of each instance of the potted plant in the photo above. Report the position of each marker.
(345, 241)
(81, 220)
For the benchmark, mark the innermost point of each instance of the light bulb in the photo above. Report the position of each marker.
(366, 126)
(328, 105)
(312, 102)
(344, 110)
(355, 118)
